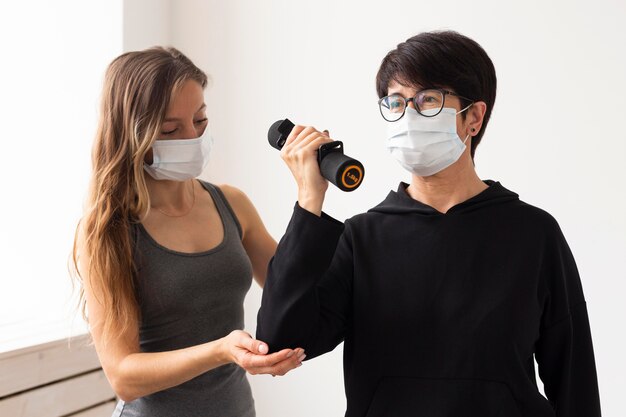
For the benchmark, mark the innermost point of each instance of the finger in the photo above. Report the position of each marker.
(295, 134)
(314, 144)
(310, 142)
(301, 145)
(310, 138)
(255, 346)
(304, 135)
(326, 132)
(277, 357)
(300, 354)
(266, 361)
(281, 368)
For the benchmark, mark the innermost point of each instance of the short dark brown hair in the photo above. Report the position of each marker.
(442, 59)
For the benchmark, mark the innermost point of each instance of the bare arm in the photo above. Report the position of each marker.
(133, 374)
(258, 243)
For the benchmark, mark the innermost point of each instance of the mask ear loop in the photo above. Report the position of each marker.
(473, 129)
(468, 135)
(461, 111)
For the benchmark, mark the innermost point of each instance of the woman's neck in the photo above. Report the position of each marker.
(455, 184)
(170, 195)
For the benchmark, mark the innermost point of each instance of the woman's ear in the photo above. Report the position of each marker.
(148, 158)
(475, 117)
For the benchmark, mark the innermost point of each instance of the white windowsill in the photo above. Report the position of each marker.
(21, 335)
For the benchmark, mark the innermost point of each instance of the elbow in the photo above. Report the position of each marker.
(122, 391)
(283, 328)
(263, 335)
(270, 334)
(121, 387)
(280, 337)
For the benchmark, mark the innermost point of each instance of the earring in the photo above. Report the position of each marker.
(473, 129)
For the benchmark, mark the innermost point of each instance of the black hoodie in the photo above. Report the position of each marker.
(441, 314)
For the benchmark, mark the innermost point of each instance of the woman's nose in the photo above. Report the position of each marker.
(192, 132)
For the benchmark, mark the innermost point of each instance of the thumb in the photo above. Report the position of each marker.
(261, 347)
(253, 345)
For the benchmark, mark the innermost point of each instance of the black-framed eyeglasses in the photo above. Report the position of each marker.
(428, 103)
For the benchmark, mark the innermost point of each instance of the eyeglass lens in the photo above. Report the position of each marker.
(427, 102)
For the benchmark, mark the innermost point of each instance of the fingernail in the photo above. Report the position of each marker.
(301, 358)
(290, 354)
(263, 348)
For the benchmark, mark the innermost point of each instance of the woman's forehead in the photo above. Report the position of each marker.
(403, 88)
(396, 87)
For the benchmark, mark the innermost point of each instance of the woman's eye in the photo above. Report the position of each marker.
(202, 120)
(168, 132)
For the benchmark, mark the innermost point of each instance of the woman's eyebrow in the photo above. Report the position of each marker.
(175, 119)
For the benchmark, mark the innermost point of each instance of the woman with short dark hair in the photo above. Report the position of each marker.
(447, 291)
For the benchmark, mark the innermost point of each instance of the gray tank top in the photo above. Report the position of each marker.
(188, 299)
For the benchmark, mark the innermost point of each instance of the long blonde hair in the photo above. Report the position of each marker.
(137, 89)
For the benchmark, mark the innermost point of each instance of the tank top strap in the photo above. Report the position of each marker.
(224, 208)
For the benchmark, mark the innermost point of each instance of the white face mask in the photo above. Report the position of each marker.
(179, 159)
(425, 145)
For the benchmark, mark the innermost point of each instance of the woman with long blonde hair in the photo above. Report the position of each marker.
(163, 259)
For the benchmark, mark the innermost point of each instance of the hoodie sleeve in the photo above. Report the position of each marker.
(307, 293)
(564, 350)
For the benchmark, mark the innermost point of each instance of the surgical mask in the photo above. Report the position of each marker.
(423, 145)
(180, 159)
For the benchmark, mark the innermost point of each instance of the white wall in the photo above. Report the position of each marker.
(146, 23)
(555, 135)
(53, 59)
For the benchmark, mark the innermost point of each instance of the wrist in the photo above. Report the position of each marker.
(224, 354)
(311, 203)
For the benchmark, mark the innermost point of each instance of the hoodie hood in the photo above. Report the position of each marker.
(399, 202)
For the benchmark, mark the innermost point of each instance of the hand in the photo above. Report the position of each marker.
(251, 355)
(300, 155)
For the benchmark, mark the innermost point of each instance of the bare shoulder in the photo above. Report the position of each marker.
(242, 206)
(237, 198)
